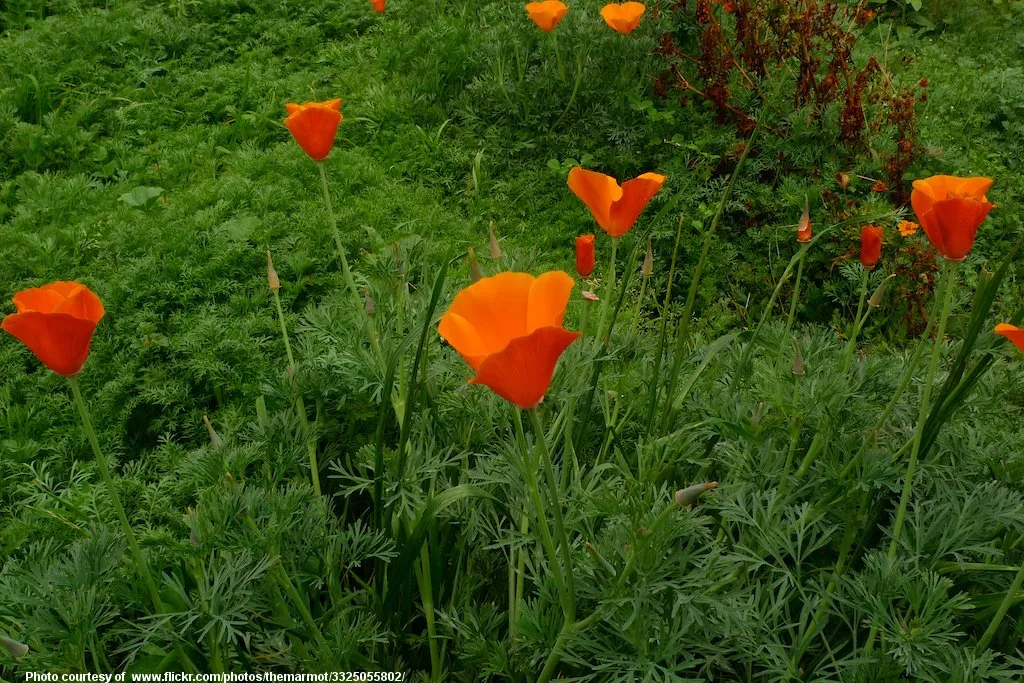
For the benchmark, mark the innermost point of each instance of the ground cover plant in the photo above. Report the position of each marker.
(572, 343)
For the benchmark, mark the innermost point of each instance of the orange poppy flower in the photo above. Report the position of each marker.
(870, 246)
(615, 208)
(508, 327)
(803, 228)
(908, 228)
(950, 210)
(378, 5)
(585, 255)
(547, 14)
(314, 125)
(56, 323)
(1013, 333)
(623, 18)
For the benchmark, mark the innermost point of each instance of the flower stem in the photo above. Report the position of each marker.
(997, 618)
(101, 460)
(858, 322)
(610, 294)
(949, 279)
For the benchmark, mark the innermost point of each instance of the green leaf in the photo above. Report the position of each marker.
(142, 197)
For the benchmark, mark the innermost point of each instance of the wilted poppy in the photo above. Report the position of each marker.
(508, 327)
(623, 18)
(870, 246)
(547, 14)
(585, 255)
(378, 5)
(908, 228)
(803, 228)
(1013, 333)
(314, 125)
(615, 208)
(950, 210)
(56, 323)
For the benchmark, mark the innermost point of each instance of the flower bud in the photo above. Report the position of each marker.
(585, 255)
(272, 280)
(17, 650)
(876, 299)
(689, 496)
(599, 558)
(474, 267)
(492, 242)
(798, 360)
(648, 269)
(215, 439)
(803, 228)
(368, 302)
(843, 179)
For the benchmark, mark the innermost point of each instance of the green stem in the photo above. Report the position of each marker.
(575, 89)
(555, 501)
(796, 297)
(346, 272)
(794, 437)
(427, 595)
(997, 618)
(101, 460)
(610, 293)
(858, 322)
(949, 278)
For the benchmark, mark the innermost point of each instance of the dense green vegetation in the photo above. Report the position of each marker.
(142, 153)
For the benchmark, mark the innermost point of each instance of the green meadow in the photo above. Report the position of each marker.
(760, 461)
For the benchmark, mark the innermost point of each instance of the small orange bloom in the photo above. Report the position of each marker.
(950, 210)
(870, 246)
(908, 228)
(56, 323)
(508, 327)
(585, 255)
(803, 228)
(547, 14)
(623, 18)
(378, 5)
(314, 125)
(615, 208)
(879, 186)
(1013, 333)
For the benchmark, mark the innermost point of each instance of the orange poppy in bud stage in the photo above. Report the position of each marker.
(950, 210)
(803, 228)
(1013, 333)
(547, 14)
(585, 255)
(508, 327)
(56, 323)
(378, 5)
(615, 208)
(314, 125)
(870, 246)
(623, 18)
(908, 228)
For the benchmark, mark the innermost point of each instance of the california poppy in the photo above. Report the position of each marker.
(585, 255)
(615, 208)
(314, 125)
(1013, 333)
(623, 18)
(803, 228)
(56, 323)
(908, 228)
(547, 14)
(378, 5)
(870, 246)
(508, 327)
(950, 210)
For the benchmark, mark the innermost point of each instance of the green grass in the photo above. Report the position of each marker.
(456, 115)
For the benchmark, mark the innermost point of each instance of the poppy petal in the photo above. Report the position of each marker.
(521, 373)
(495, 307)
(549, 296)
(957, 221)
(1013, 333)
(597, 191)
(314, 127)
(82, 304)
(60, 341)
(636, 194)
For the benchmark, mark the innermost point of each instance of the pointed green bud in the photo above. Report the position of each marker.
(17, 650)
(690, 495)
(474, 267)
(599, 558)
(798, 359)
(876, 299)
(215, 440)
(648, 260)
(492, 242)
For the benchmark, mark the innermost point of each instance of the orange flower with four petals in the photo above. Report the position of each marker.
(950, 210)
(56, 323)
(314, 125)
(624, 17)
(508, 327)
(547, 14)
(1013, 333)
(615, 208)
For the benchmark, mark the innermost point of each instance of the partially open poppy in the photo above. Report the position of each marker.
(314, 125)
(624, 17)
(803, 228)
(615, 208)
(585, 255)
(56, 323)
(950, 209)
(378, 5)
(870, 246)
(1013, 333)
(547, 14)
(508, 327)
